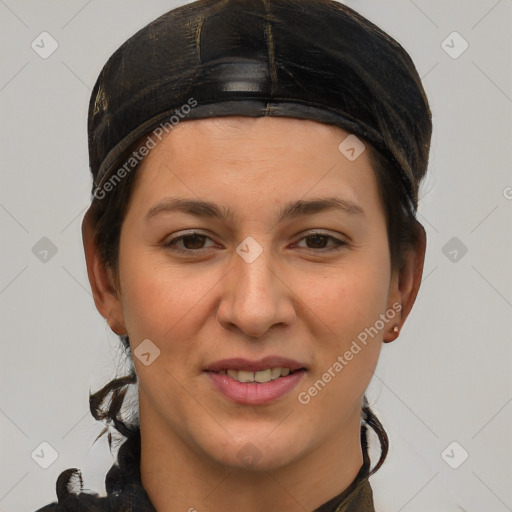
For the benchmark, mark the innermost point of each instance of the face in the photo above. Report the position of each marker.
(253, 247)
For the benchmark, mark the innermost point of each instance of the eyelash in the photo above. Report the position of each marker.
(338, 244)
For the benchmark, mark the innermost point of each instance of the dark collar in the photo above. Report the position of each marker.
(357, 497)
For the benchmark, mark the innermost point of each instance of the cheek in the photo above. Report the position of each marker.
(346, 353)
(348, 304)
(349, 299)
(158, 299)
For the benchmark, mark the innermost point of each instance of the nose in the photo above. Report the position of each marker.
(255, 297)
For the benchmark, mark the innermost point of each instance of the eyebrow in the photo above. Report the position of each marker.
(294, 209)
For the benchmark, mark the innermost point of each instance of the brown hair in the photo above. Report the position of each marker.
(108, 214)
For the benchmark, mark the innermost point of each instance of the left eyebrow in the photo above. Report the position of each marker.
(294, 209)
(312, 206)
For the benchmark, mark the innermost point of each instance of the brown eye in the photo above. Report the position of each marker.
(189, 243)
(193, 241)
(320, 241)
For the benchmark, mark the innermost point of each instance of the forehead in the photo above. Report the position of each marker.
(264, 158)
(273, 134)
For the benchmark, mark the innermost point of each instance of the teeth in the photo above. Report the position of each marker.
(275, 373)
(263, 376)
(260, 376)
(246, 376)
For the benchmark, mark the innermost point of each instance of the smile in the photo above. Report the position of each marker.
(255, 382)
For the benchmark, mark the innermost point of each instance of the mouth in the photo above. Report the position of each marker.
(255, 382)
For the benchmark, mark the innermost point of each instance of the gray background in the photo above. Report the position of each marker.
(446, 379)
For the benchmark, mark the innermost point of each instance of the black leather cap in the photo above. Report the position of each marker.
(311, 59)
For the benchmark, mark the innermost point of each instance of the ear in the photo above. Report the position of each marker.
(103, 285)
(406, 282)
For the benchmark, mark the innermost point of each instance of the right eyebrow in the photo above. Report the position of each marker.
(198, 208)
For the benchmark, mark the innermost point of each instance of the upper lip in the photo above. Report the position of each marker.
(239, 363)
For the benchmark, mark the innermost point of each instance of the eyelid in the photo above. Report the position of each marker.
(189, 232)
(311, 232)
(339, 241)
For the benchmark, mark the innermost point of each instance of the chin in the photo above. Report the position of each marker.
(256, 450)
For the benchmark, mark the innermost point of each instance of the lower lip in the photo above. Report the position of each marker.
(254, 393)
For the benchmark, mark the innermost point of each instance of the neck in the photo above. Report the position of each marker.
(177, 476)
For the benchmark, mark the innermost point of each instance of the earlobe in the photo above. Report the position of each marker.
(101, 279)
(408, 281)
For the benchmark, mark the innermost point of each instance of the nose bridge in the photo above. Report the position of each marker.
(255, 299)
(254, 278)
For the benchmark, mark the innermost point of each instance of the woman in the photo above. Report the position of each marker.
(252, 239)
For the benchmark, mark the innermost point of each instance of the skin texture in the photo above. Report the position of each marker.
(297, 299)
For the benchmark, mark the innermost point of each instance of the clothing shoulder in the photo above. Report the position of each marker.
(80, 503)
(70, 497)
(53, 507)
(125, 492)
